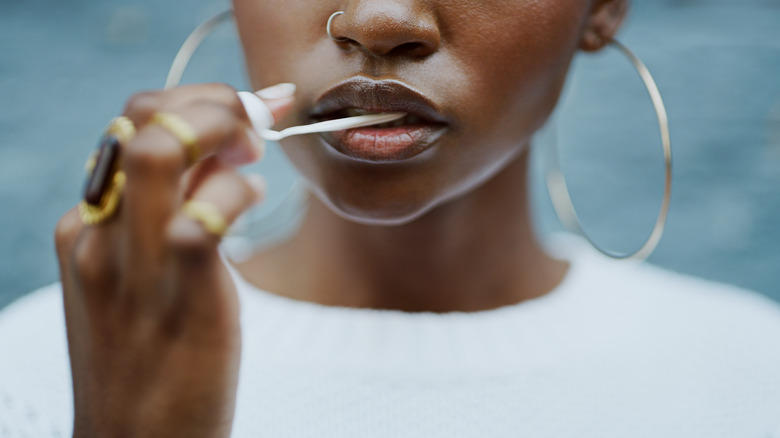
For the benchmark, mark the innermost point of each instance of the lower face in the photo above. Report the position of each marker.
(488, 83)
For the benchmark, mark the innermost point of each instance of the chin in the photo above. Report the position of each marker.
(376, 210)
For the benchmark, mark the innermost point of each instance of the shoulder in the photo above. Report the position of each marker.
(668, 302)
(726, 329)
(722, 336)
(674, 297)
(716, 306)
(686, 344)
(35, 385)
(679, 315)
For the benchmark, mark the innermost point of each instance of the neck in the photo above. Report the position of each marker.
(477, 252)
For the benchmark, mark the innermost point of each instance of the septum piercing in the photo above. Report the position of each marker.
(327, 27)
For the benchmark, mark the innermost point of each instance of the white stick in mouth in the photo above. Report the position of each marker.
(262, 120)
(331, 125)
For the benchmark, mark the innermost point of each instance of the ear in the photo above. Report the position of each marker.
(604, 20)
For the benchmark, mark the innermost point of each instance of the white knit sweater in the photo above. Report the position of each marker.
(617, 350)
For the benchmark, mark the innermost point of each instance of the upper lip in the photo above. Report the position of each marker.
(376, 96)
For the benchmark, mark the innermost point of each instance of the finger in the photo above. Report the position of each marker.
(228, 193)
(195, 176)
(86, 260)
(65, 236)
(246, 148)
(154, 162)
(142, 106)
(193, 245)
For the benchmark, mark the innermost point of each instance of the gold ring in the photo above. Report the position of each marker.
(208, 215)
(105, 182)
(96, 214)
(183, 132)
(122, 128)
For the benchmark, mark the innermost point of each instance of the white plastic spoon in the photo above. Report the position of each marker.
(262, 120)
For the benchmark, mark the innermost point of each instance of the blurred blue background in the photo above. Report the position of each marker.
(66, 68)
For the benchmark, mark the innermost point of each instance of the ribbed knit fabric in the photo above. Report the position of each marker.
(617, 350)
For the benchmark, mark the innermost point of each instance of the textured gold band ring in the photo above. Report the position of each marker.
(105, 182)
(208, 215)
(183, 132)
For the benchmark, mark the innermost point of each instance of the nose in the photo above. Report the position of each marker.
(388, 27)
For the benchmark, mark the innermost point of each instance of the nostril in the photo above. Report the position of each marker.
(386, 28)
(410, 49)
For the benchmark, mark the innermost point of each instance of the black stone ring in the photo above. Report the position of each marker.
(103, 189)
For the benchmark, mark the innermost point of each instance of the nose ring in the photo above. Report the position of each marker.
(327, 27)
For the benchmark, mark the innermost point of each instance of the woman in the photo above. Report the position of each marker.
(484, 333)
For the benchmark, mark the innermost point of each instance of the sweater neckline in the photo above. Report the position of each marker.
(561, 246)
(587, 313)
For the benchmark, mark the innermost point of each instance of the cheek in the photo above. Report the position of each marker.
(500, 71)
(278, 35)
(516, 59)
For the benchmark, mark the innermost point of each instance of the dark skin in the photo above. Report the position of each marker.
(151, 312)
(484, 234)
(460, 237)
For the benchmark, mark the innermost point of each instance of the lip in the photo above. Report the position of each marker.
(380, 144)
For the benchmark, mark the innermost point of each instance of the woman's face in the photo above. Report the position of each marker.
(479, 78)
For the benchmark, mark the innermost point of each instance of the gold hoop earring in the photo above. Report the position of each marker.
(559, 193)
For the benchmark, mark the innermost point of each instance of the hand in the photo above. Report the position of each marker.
(151, 311)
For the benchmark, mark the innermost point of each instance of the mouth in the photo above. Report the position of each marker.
(398, 140)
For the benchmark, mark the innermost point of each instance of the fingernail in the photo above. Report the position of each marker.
(258, 184)
(278, 91)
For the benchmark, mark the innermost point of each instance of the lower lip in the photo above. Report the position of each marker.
(385, 144)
